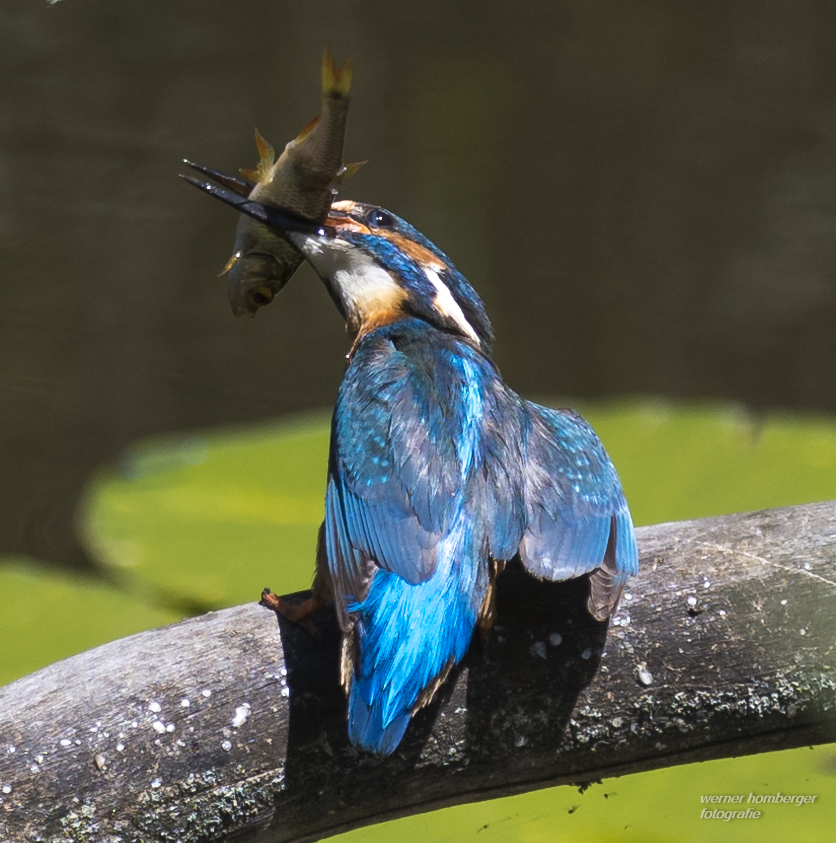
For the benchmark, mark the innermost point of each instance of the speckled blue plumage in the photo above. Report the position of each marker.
(435, 466)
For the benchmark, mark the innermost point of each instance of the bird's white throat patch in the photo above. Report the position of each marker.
(368, 292)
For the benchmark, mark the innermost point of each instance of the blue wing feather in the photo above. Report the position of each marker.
(575, 508)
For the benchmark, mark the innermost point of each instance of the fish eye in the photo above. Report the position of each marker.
(379, 219)
(259, 296)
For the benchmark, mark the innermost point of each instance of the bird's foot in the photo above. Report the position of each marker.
(298, 613)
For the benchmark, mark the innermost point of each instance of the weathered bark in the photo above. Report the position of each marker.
(228, 725)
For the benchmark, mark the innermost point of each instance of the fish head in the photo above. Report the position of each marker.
(260, 267)
(375, 266)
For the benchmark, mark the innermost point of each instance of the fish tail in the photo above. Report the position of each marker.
(336, 81)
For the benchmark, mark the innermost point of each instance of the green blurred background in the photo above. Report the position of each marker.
(644, 194)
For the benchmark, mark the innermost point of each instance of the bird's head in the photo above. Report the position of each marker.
(377, 268)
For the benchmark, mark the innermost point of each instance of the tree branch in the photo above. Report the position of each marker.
(231, 725)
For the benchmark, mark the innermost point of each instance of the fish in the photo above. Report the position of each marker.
(302, 182)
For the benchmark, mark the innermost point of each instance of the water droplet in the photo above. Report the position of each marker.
(207, 693)
(555, 639)
(184, 703)
(156, 783)
(155, 707)
(158, 726)
(226, 745)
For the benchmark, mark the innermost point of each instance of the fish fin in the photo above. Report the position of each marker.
(347, 171)
(264, 148)
(230, 263)
(267, 157)
(248, 173)
(307, 130)
(336, 81)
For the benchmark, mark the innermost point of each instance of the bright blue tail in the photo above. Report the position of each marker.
(407, 635)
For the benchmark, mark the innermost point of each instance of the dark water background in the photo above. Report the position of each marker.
(644, 193)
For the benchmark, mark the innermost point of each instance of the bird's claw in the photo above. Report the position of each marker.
(298, 613)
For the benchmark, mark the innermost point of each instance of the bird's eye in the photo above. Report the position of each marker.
(379, 219)
(259, 296)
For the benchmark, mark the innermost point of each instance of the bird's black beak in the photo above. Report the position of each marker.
(241, 186)
(235, 192)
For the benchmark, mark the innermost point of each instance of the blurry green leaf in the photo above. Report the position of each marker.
(658, 807)
(678, 462)
(48, 616)
(213, 519)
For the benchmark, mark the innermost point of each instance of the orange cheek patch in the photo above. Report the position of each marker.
(420, 254)
(339, 217)
(343, 223)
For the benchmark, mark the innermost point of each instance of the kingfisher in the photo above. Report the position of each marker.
(438, 472)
